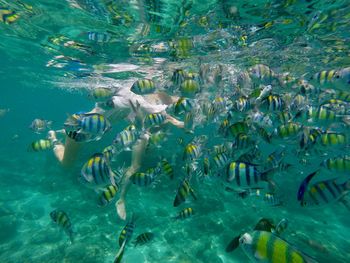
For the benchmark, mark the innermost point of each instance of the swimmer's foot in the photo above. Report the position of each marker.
(120, 206)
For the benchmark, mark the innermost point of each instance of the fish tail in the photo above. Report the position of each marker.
(119, 256)
(193, 194)
(234, 243)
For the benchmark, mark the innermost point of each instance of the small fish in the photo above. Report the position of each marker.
(40, 125)
(291, 129)
(189, 88)
(99, 37)
(125, 139)
(304, 185)
(244, 175)
(273, 103)
(109, 152)
(154, 119)
(185, 213)
(96, 172)
(62, 220)
(262, 246)
(145, 179)
(262, 72)
(41, 145)
(8, 16)
(333, 139)
(107, 195)
(127, 231)
(183, 191)
(167, 168)
(3, 112)
(143, 239)
(324, 192)
(220, 160)
(90, 123)
(340, 164)
(143, 86)
(179, 76)
(238, 128)
(156, 139)
(183, 105)
(102, 93)
(325, 76)
(191, 152)
(242, 104)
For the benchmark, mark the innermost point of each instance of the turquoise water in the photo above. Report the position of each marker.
(150, 39)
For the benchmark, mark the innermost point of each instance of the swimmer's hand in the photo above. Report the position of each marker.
(120, 206)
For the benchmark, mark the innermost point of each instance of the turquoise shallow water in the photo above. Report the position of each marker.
(49, 66)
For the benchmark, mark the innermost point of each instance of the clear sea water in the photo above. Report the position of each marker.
(298, 37)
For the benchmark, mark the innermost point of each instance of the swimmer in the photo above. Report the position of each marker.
(125, 105)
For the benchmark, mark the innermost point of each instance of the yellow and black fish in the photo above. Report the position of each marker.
(62, 220)
(183, 191)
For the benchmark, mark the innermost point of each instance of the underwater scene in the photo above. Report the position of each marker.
(180, 131)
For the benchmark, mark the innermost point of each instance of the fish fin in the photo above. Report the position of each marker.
(119, 256)
(120, 207)
(193, 194)
(234, 243)
(71, 235)
(304, 184)
(345, 201)
(71, 121)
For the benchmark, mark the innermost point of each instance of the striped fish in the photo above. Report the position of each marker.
(273, 103)
(143, 86)
(325, 76)
(238, 127)
(8, 16)
(90, 123)
(324, 192)
(288, 130)
(125, 139)
(244, 175)
(99, 37)
(179, 75)
(192, 152)
(41, 145)
(333, 139)
(107, 195)
(189, 88)
(183, 105)
(143, 238)
(185, 213)
(154, 119)
(262, 72)
(340, 164)
(101, 93)
(183, 191)
(167, 168)
(262, 246)
(127, 231)
(242, 104)
(145, 179)
(220, 160)
(96, 172)
(62, 220)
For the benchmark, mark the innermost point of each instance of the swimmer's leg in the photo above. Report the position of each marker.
(137, 154)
